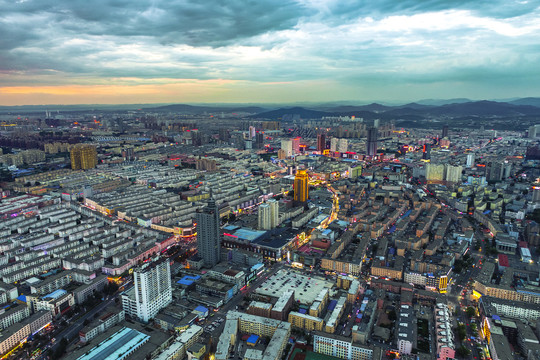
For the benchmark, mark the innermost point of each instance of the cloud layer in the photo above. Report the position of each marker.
(256, 50)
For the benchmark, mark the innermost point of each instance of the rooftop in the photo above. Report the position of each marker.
(117, 346)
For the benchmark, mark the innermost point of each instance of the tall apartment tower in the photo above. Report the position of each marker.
(208, 234)
(343, 144)
(321, 143)
(470, 160)
(301, 186)
(334, 144)
(426, 152)
(444, 131)
(83, 156)
(287, 147)
(269, 215)
(296, 145)
(371, 144)
(151, 292)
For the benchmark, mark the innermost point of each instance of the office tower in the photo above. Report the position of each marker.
(470, 160)
(342, 145)
(287, 147)
(334, 144)
(248, 144)
(371, 144)
(536, 193)
(259, 139)
(251, 132)
(426, 152)
(376, 123)
(321, 143)
(532, 131)
(83, 156)
(444, 131)
(301, 186)
(453, 173)
(495, 171)
(296, 145)
(269, 215)
(151, 292)
(208, 234)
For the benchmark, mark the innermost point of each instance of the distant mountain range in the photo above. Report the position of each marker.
(412, 111)
(458, 107)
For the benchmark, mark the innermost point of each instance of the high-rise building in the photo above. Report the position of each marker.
(321, 142)
(251, 132)
(334, 144)
(470, 160)
(296, 145)
(287, 147)
(453, 173)
(371, 144)
(208, 234)
(83, 156)
(151, 291)
(301, 186)
(499, 170)
(533, 131)
(444, 131)
(259, 137)
(434, 172)
(269, 215)
(536, 193)
(426, 152)
(342, 145)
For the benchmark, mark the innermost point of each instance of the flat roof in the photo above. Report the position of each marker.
(306, 289)
(117, 345)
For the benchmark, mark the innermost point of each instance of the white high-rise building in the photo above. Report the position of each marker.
(470, 160)
(269, 215)
(151, 292)
(453, 173)
(342, 145)
(334, 144)
(287, 147)
(251, 133)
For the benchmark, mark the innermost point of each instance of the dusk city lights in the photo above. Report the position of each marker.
(269, 180)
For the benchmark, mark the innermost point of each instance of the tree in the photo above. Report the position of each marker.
(470, 311)
(462, 351)
(392, 316)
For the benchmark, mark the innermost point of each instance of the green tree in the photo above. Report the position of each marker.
(462, 351)
(470, 311)
(392, 316)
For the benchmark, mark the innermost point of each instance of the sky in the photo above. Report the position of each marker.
(262, 51)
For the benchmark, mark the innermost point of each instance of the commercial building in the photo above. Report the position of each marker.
(208, 234)
(301, 186)
(278, 332)
(151, 291)
(321, 143)
(83, 156)
(343, 348)
(118, 346)
(371, 143)
(112, 317)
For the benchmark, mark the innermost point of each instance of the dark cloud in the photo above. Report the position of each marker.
(192, 22)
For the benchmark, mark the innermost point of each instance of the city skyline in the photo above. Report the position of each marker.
(266, 52)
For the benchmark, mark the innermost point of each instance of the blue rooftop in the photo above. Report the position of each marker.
(201, 308)
(117, 346)
(253, 339)
(56, 294)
